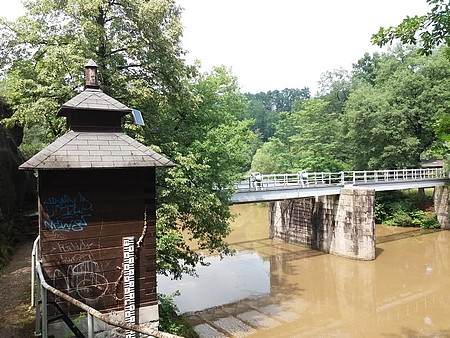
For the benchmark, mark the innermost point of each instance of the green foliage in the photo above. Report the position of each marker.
(400, 218)
(76, 323)
(268, 159)
(384, 202)
(334, 88)
(401, 208)
(304, 140)
(366, 69)
(264, 108)
(428, 31)
(136, 45)
(36, 137)
(169, 320)
(315, 141)
(424, 220)
(211, 149)
(393, 119)
(194, 119)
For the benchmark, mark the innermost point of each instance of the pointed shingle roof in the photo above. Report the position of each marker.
(93, 99)
(94, 139)
(87, 150)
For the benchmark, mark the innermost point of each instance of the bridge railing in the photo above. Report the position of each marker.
(258, 181)
(376, 176)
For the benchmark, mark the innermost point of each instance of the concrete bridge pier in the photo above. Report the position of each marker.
(342, 225)
(442, 205)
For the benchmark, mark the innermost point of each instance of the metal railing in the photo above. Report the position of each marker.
(303, 179)
(40, 287)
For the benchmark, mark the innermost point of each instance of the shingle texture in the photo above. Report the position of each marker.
(93, 99)
(83, 150)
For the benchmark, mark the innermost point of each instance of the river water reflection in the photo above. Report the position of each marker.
(273, 289)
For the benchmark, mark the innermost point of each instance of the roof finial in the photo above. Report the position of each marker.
(91, 75)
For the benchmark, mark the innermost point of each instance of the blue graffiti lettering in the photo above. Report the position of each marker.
(67, 214)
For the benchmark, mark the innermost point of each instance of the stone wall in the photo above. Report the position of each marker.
(442, 205)
(343, 225)
(291, 221)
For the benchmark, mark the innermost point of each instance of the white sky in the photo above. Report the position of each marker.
(280, 44)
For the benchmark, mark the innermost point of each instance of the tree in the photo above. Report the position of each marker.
(136, 45)
(365, 70)
(191, 118)
(264, 120)
(315, 141)
(304, 140)
(429, 31)
(334, 87)
(264, 108)
(210, 150)
(390, 124)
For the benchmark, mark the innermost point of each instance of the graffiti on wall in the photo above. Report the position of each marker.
(67, 214)
(83, 280)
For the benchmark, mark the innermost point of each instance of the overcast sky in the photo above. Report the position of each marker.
(280, 44)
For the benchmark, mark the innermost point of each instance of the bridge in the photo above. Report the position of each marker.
(258, 187)
(335, 212)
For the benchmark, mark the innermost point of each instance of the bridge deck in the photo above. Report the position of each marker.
(302, 185)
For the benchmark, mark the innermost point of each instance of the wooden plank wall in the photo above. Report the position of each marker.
(83, 215)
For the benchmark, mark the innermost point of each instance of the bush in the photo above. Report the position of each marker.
(401, 208)
(425, 220)
(385, 204)
(399, 218)
(169, 320)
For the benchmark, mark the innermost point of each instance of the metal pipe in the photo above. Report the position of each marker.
(95, 313)
(37, 331)
(44, 309)
(90, 320)
(33, 272)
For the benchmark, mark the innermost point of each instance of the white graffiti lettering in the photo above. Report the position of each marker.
(84, 279)
(71, 247)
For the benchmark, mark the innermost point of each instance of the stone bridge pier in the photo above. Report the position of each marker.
(342, 225)
(442, 205)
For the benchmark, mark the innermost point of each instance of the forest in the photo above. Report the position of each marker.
(391, 110)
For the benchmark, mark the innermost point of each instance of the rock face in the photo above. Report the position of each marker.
(17, 188)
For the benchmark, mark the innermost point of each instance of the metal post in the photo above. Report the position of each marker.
(33, 275)
(44, 314)
(34, 254)
(37, 331)
(90, 319)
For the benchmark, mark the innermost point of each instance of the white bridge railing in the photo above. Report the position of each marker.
(303, 179)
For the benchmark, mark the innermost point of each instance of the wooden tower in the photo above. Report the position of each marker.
(96, 201)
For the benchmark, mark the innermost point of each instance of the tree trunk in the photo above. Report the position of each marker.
(421, 194)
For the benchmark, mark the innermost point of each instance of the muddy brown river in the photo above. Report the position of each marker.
(273, 289)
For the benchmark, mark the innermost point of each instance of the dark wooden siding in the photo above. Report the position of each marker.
(83, 216)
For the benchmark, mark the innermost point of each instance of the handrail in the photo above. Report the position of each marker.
(303, 179)
(91, 311)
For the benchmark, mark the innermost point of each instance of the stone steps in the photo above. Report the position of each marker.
(241, 319)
